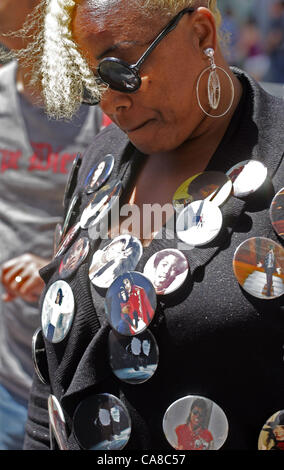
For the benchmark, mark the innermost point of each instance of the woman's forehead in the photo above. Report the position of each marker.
(119, 18)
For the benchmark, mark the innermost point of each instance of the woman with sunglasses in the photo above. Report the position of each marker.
(178, 109)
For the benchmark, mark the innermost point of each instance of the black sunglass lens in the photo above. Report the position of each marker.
(118, 76)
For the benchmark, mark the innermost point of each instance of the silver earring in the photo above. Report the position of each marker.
(214, 85)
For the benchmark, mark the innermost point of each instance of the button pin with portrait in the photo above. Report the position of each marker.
(258, 265)
(195, 423)
(167, 270)
(272, 434)
(133, 360)
(100, 204)
(74, 257)
(102, 422)
(247, 177)
(57, 423)
(65, 242)
(57, 311)
(99, 174)
(121, 254)
(277, 213)
(199, 223)
(130, 303)
(209, 185)
(39, 356)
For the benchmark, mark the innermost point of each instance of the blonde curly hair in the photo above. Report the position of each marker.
(57, 64)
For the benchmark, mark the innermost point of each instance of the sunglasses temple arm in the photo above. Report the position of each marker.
(162, 34)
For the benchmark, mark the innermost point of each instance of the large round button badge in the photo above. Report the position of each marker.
(39, 356)
(209, 185)
(74, 257)
(167, 270)
(181, 197)
(67, 239)
(99, 174)
(57, 422)
(57, 237)
(133, 360)
(57, 311)
(199, 223)
(70, 213)
(72, 179)
(130, 303)
(195, 423)
(121, 254)
(101, 204)
(102, 422)
(272, 434)
(277, 213)
(258, 265)
(247, 177)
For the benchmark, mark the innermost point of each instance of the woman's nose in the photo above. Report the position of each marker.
(114, 102)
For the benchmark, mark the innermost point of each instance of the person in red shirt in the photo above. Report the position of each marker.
(136, 309)
(193, 435)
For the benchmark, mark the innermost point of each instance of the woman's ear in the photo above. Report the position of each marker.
(204, 29)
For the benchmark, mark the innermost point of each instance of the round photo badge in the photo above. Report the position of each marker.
(133, 360)
(199, 223)
(195, 423)
(72, 179)
(272, 434)
(181, 197)
(74, 257)
(258, 265)
(277, 213)
(70, 213)
(57, 237)
(102, 422)
(120, 255)
(210, 185)
(57, 311)
(99, 174)
(167, 270)
(101, 204)
(247, 177)
(67, 239)
(130, 303)
(39, 356)
(57, 422)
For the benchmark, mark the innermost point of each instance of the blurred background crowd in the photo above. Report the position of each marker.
(254, 37)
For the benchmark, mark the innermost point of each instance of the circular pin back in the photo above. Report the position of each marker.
(57, 422)
(247, 177)
(74, 257)
(57, 311)
(39, 356)
(195, 423)
(99, 174)
(272, 434)
(167, 270)
(133, 360)
(277, 213)
(102, 422)
(258, 265)
(120, 255)
(130, 303)
(199, 223)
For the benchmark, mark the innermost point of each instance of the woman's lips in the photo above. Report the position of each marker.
(138, 127)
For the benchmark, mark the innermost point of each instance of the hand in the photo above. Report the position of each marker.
(20, 277)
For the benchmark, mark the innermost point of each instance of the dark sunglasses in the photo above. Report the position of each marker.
(123, 77)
